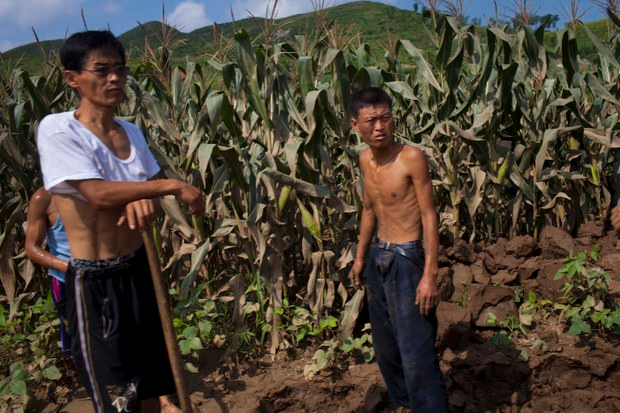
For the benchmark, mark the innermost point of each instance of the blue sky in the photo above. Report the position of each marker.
(53, 18)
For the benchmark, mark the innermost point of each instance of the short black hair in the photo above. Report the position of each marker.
(369, 96)
(76, 48)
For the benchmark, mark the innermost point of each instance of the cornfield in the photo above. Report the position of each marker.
(517, 137)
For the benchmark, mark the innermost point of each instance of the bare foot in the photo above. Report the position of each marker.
(167, 406)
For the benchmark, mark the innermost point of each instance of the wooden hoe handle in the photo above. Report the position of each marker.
(161, 294)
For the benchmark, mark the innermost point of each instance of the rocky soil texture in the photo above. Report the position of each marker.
(546, 370)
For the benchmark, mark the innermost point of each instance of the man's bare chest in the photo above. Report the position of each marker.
(386, 186)
(118, 144)
(115, 139)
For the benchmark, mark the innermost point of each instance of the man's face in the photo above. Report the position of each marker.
(101, 80)
(375, 124)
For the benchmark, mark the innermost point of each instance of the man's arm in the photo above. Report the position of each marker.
(426, 295)
(615, 217)
(367, 228)
(35, 234)
(108, 194)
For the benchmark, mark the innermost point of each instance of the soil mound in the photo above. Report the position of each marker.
(489, 367)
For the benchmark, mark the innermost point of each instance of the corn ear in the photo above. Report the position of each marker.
(284, 196)
(308, 220)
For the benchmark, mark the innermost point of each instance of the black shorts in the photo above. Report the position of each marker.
(117, 339)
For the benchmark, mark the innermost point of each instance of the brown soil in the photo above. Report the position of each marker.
(549, 371)
(263, 385)
(569, 375)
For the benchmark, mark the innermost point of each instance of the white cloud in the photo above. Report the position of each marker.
(263, 8)
(189, 15)
(28, 13)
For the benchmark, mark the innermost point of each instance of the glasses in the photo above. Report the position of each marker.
(105, 71)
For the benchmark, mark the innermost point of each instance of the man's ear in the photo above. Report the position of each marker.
(354, 124)
(70, 77)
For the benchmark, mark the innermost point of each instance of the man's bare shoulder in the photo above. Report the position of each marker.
(414, 157)
(412, 153)
(365, 157)
(41, 199)
(415, 162)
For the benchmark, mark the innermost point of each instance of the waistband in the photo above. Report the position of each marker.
(391, 246)
(111, 264)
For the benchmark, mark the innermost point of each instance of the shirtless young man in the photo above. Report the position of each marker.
(44, 223)
(99, 168)
(400, 274)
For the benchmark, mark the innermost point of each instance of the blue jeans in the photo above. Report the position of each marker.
(403, 339)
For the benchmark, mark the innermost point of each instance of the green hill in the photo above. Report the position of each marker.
(376, 24)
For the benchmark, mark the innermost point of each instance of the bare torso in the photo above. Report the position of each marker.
(390, 189)
(94, 233)
(398, 195)
(51, 212)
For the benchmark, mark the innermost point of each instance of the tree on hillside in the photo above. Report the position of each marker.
(552, 22)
